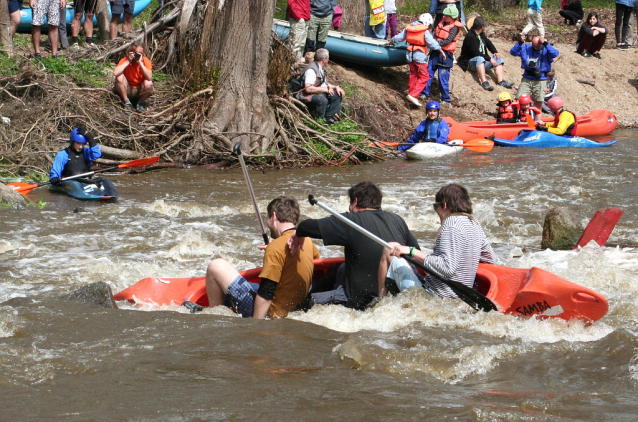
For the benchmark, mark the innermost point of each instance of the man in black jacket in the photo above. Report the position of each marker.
(475, 57)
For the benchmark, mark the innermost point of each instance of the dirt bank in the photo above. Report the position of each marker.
(614, 89)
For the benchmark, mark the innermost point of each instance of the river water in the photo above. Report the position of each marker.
(410, 357)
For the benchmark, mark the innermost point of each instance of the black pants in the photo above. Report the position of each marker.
(572, 17)
(325, 105)
(622, 28)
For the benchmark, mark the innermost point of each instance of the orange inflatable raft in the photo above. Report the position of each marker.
(515, 291)
(596, 123)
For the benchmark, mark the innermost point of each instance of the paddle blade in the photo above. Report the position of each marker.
(530, 122)
(21, 187)
(140, 162)
(479, 145)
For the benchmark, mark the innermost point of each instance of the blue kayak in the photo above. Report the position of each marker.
(355, 48)
(26, 16)
(95, 190)
(539, 139)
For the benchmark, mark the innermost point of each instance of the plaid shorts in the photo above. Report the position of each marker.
(241, 296)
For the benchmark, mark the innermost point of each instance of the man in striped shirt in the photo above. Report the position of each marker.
(460, 246)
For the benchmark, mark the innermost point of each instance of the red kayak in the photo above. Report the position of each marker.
(515, 291)
(596, 123)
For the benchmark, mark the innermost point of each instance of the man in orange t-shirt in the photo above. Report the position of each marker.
(134, 78)
(285, 277)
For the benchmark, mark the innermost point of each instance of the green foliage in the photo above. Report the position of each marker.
(351, 90)
(84, 72)
(345, 125)
(145, 16)
(41, 204)
(8, 65)
(414, 7)
(280, 9)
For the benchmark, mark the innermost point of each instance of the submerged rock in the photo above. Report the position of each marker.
(11, 197)
(98, 294)
(561, 230)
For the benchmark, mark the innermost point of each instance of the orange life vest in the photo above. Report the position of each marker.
(571, 130)
(531, 110)
(415, 36)
(507, 112)
(443, 31)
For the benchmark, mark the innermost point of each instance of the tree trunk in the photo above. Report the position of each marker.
(228, 42)
(103, 20)
(354, 12)
(6, 42)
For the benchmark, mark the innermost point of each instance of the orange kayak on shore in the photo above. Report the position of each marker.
(596, 123)
(515, 291)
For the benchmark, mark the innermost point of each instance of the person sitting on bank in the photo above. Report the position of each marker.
(285, 276)
(564, 121)
(475, 58)
(322, 98)
(551, 91)
(536, 61)
(591, 37)
(134, 78)
(418, 36)
(432, 129)
(507, 109)
(75, 159)
(460, 246)
(525, 108)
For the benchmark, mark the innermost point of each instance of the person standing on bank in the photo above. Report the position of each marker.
(536, 61)
(86, 8)
(119, 7)
(321, 98)
(134, 78)
(298, 15)
(75, 159)
(321, 12)
(418, 36)
(49, 10)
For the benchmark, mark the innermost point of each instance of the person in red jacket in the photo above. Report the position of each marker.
(298, 15)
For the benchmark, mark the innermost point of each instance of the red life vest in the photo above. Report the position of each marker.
(415, 36)
(571, 130)
(507, 112)
(443, 31)
(531, 110)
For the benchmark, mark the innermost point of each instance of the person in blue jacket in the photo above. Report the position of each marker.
(75, 159)
(432, 129)
(536, 61)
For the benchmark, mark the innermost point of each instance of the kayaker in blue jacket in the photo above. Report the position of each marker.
(536, 61)
(432, 129)
(75, 159)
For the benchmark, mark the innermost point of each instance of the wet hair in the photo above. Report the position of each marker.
(321, 54)
(456, 197)
(133, 47)
(287, 209)
(366, 194)
(479, 22)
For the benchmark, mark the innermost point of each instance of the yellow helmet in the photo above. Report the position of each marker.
(504, 96)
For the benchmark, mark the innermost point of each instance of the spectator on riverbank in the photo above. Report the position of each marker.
(438, 6)
(298, 13)
(336, 18)
(374, 24)
(119, 7)
(550, 91)
(14, 15)
(417, 34)
(475, 58)
(86, 8)
(134, 78)
(572, 12)
(48, 10)
(322, 98)
(622, 29)
(591, 37)
(536, 61)
(64, 42)
(320, 22)
(391, 18)
(534, 18)
(285, 276)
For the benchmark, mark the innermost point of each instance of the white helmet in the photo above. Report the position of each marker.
(426, 19)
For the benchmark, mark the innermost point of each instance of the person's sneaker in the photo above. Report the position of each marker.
(446, 103)
(330, 121)
(192, 306)
(486, 86)
(75, 46)
(585, 54)
(506, 84)
(597, 55)
(37, 56)
(579, 23)
(128, 107)
(47, 48)
(90, 45)
(624, 47)
(414, 100)
(141, 106)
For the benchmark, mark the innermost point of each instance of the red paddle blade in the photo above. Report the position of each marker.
(479, 145)
(530, 122)
(140, 162)
(21, 187)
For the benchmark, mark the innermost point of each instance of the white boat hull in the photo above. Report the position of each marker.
(427, 150)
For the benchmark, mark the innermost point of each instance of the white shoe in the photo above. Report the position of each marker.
(75, 46)
(414, 101)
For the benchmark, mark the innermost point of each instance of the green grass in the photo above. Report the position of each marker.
(280, 9)
(8, 65)
(84, 72)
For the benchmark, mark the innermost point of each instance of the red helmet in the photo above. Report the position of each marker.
(554, 104)
(525, 99)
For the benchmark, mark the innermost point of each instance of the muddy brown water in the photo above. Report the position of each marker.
(410, 357)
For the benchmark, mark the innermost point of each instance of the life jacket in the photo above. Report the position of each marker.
(415, 36)
(531, 110)
(571, 130)
(443, 31)
(431, 130)
(509, 111)
(76, 164)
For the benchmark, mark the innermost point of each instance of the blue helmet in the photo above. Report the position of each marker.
(433, 105)
(76, 137)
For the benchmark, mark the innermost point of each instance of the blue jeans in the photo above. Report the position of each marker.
(478, 60)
